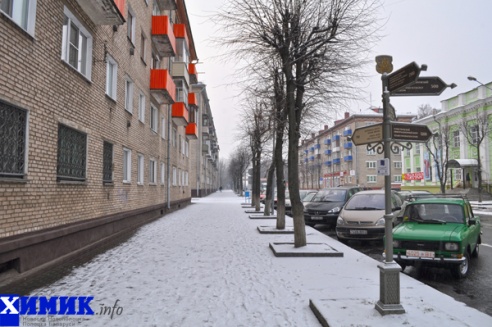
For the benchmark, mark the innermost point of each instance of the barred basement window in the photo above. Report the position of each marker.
(72, 153)
(107, 162)
(13, 126)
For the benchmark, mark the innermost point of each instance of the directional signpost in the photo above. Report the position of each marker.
(410, 132)
(368, 134)
(423, 86)
(404, 76)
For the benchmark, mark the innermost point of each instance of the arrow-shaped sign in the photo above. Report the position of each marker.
(368, 134)
(431, 85)
(403, 76)
(410, 132)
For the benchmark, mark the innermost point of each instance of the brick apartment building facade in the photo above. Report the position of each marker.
(330, 159)
(100, 122)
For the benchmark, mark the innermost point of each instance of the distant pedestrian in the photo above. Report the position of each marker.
(220, 188)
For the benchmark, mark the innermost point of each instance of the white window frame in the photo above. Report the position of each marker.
(129, 95)
(397, 164)
(131, 21)
(371, 152)
(372, 178)
(456, 139)
(397, 178)
(22, 13)
(371, 164)
(111, 77)
(175, 177)
(163, 127)
(84, 51)
(127, 165)
(174, 136)
(152, 171)
(154, 116)
(141, 107)
(140, 169)
(163, 173)
(143, 46)
(187, 148)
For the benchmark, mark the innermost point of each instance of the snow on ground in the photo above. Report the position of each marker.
(207, 265)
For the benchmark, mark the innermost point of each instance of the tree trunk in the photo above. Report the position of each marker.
(269, 189)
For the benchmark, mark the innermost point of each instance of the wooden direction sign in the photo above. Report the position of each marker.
(403, 76)
(431, 85)
(368, 134)
(410, 132)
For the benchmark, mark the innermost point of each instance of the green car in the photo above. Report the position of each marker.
(440, 231)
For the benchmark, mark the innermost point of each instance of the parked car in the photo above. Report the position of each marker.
(362, 216)
(439, 231)
(288, 205)
(326, 205)
(407, 196)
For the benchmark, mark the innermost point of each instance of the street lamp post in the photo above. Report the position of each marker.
(471, 78)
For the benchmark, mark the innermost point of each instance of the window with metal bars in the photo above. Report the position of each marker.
(72, 154)
(13, 126)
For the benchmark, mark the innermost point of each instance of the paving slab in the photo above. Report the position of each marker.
(262, 217)
(274, 230)
(253, 211)
(310, 250)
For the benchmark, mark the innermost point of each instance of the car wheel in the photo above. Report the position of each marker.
(476, 251)
(461, 271)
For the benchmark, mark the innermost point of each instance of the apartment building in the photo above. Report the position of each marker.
(330, 159)
(99, 122)
(419, 166)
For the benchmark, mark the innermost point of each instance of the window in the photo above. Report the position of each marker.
(163, 127)
(13, 138)
(397, 164)
(152, 171)
(397, 178)
(111, 77)
(154, 63)
(175, 177)
(371, 152)
(143, 40)
(22, 12)
(140, 169)
(141, 108)
(371, 178)
(163, 173)
(72, 154)
(181, 91)
(127, 165)
(179, 177)
(173, 136)
(456, 139)
(417, 149)
(370, 164)
(107, 162)
(129, 95)
(187, 148)
(475, 135)
(131, 22)
(76, 45)
(182, 54)
(153, 118)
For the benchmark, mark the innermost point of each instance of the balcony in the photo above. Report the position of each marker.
(180, 32)
(162, 86)
(317, 146)
(205, 148)
(104, 12)
(180, 70)
(311, 158)
(336, 161)
(336, 138)
(328, 152)
(306, 151)
(328, 163)
(327, 142)
(180, 114)
(347, 145)
(337, 149)
(163, 36)
(347, 158)
(167, 4)
(193, 73)
(192, 102)
(191, 131)
(347, 132)
(311, 149)
(205, 131)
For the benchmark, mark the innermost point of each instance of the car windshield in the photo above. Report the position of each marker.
(309, 197)
(434, 212)
(330, 196)
(366, 202)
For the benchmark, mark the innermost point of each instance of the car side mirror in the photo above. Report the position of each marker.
(472, 221)
(396, 208)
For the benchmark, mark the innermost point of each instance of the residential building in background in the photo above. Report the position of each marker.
(330, 159)
(101, 125)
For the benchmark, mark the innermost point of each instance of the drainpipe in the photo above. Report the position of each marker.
(169, 118)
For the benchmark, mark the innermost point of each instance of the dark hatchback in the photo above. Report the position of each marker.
(326, 205)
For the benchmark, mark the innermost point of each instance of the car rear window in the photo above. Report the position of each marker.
(330, 196)
(435, 211)
(366, 202)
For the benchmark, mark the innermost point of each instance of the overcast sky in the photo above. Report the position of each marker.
(453, 37)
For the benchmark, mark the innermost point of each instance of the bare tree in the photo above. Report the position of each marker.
(425, 110)
(319, 46)
(438, 148)
(238, 165)
(476, 128)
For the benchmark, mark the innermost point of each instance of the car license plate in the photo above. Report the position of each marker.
(420, 254)
(358, 232)
(316, 218)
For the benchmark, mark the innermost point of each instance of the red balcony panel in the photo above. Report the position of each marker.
(180, 114)
(121, 4)
(163, 36)
(192, 101)
(162, 86)
(192, 131)
(180, 32)
(193, 73)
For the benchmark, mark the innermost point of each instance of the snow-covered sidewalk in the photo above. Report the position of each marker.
(207, 265)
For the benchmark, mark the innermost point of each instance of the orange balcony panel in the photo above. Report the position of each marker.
(180, 114)
(162, 86)
(193, 73)
(192, 99)
(180, 32)
(163, 36)
(192, 131)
